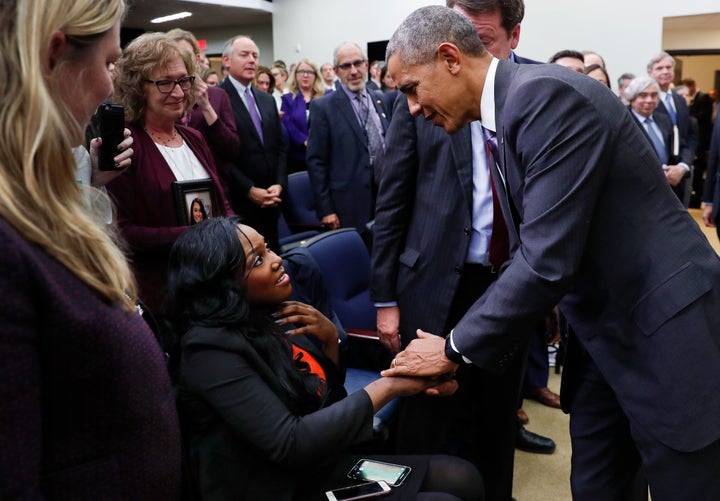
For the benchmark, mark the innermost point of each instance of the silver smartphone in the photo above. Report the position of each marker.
(370, 470)
(361, 491)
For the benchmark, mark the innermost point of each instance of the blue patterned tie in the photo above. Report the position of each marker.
(376, 146)
(670, 109)
(656, 141)
(250, 100)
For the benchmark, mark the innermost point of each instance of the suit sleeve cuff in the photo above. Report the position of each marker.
(452, 353)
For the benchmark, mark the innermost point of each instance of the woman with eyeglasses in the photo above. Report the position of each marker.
(305, 85)
(154, 81)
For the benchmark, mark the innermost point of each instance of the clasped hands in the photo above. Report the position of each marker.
(425, 357)
(266, 197)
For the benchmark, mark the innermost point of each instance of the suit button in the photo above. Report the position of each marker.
(466, 231)
(458, 270)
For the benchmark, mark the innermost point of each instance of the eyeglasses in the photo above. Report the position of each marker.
(167, 86)
(357, 64)
(306, 73)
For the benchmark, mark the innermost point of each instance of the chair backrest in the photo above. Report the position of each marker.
(344, 262)
(300, 207)
(290, 240)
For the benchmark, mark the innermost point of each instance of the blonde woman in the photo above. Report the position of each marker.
(87, 409)
(305, 84)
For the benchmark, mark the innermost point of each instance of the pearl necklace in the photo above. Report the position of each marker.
(159, 140)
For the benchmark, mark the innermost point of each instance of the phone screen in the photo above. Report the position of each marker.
(359, 491)
(369, 470)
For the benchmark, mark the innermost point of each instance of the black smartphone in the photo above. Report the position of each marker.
(362, 491)
(111, 127)
(370, 470)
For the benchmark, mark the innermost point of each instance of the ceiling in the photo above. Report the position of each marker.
(204, 15)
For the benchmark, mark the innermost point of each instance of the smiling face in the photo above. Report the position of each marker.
(197, 212)
(351, 67)
(162, 107)
(646, 101)
(266, 283)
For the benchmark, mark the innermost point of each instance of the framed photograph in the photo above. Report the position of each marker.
(195, 200)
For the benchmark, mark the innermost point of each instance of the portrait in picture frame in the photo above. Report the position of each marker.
(195, 200)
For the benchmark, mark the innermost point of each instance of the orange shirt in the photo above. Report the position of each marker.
(315, 367)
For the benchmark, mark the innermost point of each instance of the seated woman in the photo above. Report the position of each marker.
(262, 404)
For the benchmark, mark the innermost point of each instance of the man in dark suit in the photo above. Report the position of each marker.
(643, 95)
(346, 144)
(593, 227)
(662, 69)
(431, 262)
(259, 173)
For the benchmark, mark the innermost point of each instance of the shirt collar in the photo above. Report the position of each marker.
(238, 85)
(487, 101)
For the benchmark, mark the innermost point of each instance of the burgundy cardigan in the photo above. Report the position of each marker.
(145, 206)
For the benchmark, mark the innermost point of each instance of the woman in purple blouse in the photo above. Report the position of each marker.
(305, 85)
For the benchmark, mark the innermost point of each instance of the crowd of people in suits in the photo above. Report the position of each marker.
(199, 186)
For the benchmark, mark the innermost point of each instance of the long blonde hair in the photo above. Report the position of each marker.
(39, 196)
(318, 88)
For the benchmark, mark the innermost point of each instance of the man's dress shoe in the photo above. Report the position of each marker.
(544, 395)
(532, 442)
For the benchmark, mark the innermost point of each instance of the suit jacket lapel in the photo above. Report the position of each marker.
(503, 78)
(266, 113)
(377, 102)
(242, 115)
(348, 113)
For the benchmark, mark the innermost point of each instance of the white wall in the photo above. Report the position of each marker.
(625, 32)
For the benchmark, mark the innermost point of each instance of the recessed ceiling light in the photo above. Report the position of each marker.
(171, 17)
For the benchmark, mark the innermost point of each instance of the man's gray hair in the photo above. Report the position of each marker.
(342, 46)
(637, 85)
(416, 40)
(228, 46)
(657, 58)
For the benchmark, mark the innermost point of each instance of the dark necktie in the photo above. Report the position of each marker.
(250, 100)
(670, 109)
(656, 141)
(499, 250)
(376, 147)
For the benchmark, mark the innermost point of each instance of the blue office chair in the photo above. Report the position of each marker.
(290, 240)
(299, 206)
(344, 262)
